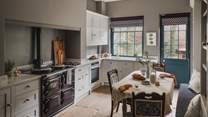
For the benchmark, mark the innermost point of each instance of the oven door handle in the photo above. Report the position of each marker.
(95, 67)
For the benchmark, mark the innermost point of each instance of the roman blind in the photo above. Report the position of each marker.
(127, 21)
(174, 20)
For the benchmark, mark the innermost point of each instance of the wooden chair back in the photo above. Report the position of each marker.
(112, 78)
(148, 105)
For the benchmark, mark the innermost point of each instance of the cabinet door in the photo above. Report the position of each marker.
(89, 38)
(103, 31)
(5, 100)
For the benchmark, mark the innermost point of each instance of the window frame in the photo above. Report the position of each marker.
(112, 34)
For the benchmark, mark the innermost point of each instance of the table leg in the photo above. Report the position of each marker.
(124, 107)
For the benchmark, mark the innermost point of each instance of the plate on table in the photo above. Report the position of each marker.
(125, 87)
(138, 77)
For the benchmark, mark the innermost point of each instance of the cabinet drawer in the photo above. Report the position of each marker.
(26, 101)
(23, 88)
(32, 112)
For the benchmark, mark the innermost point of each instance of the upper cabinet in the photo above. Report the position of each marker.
(97, 29)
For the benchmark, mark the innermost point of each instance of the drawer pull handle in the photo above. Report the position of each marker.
(28, 86)
(26, 100)
(9, 105)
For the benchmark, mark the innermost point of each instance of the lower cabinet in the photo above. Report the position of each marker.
(25, 99)
(5, 103)
(20, 100)
(82, 81)
(33, 112)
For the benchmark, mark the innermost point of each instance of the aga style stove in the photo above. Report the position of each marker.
(57, 91)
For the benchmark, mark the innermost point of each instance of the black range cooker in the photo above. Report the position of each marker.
(57, 91)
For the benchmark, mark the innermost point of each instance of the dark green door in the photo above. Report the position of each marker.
(175, 45)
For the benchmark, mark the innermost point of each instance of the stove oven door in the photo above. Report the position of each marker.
(51, 105)
(67, 97)
(52, 85)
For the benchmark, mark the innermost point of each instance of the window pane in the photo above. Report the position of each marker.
(131, 28)
(138, 43)
(182, 45)
(171, 43)
(131, 49)
(139, 28)
(166, 38)
(138, 37)
(124, 29)
(167, 28)
(131, 37)
(117, 29)
(123, 49)
(115, 49)
(182, 27)
(138, 49)
(173, 27)
(123, 37)
(116, 38)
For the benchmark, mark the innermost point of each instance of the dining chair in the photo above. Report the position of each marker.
(158, 67)
(113, 78)
(148, 105)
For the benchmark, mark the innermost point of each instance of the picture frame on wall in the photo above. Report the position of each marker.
(151, 38)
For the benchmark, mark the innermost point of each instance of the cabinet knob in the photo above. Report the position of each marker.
(8, 105)
(204, 43)
(28, 86)
(26, 100)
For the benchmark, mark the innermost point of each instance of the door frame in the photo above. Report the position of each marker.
(188, 36)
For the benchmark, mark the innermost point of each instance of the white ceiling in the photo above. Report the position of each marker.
(108, 0)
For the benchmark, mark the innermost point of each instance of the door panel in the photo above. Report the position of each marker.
(175, 45)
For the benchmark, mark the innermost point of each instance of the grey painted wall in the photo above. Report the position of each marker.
(1, 45)
(18, 44)
(91, 5)
(70, 13)
(47, 36)
(151, 10)
(65, 12)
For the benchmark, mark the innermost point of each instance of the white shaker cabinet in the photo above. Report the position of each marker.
(20, 100)
(82, 81)
(96, 29)
(5, 103)
(25, 99)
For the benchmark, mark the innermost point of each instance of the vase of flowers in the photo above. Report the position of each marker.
(147, 63)
(9, 68)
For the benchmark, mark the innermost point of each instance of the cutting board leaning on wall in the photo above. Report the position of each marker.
(58, 49)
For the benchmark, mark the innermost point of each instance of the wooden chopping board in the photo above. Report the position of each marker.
(58, 50)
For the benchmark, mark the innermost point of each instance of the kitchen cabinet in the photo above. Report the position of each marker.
(20, 100)
(97, 29)
(82, 81)
(5, 103)
(25, 99)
